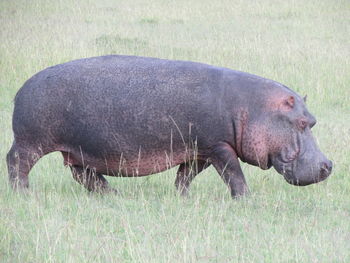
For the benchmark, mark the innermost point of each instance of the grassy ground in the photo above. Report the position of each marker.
(303, 44)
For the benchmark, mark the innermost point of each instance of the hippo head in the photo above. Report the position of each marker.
(280, 136)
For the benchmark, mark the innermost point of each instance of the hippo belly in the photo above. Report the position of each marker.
(127, 166)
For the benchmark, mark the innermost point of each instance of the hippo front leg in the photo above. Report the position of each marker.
(224, 159)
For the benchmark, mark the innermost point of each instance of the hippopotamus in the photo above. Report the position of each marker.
(135, 116)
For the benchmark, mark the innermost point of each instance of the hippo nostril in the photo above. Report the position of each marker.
(327, 166)
(330, 166)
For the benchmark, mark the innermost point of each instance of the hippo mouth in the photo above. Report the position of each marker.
(285, 168)
(320, 178)
(296, 173)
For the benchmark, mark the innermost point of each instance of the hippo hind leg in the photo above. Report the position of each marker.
(186, 173)
(91, 180)
(20, 160)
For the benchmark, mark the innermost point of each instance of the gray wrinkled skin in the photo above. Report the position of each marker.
(135, 116)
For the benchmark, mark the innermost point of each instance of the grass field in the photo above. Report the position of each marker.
(303, 44)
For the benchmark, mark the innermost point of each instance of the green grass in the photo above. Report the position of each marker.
(303, 44)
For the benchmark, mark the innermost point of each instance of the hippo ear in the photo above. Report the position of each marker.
(287, 103)
(305, 97)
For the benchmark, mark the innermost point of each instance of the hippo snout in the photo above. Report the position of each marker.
(316, 175)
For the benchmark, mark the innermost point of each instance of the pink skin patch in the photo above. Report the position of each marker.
(255, 146)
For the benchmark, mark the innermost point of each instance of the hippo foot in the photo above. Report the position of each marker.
(183, 192)
(240, 193)
(91, 180)
(19, 184)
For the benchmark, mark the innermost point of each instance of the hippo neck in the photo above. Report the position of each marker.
(244, 96)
